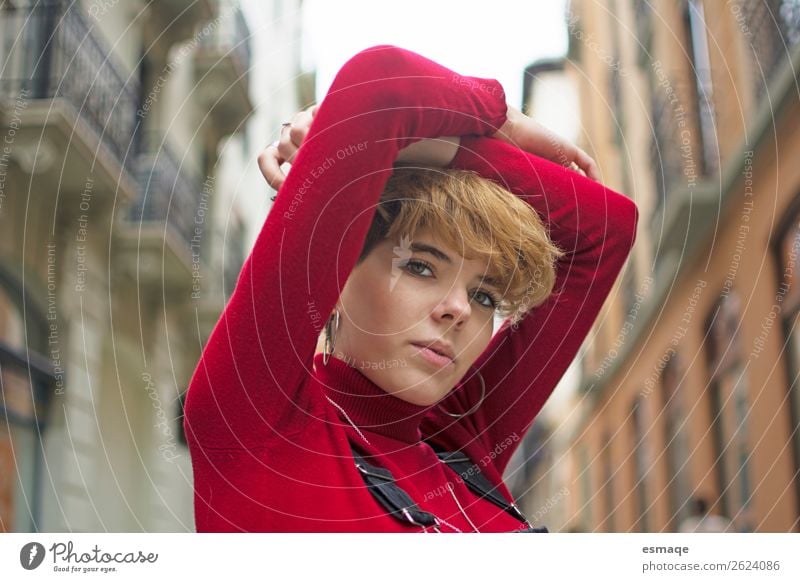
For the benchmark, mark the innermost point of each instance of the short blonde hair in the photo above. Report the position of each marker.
(467, 211)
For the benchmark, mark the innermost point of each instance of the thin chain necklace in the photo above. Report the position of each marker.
(348, 420)
(449, 487)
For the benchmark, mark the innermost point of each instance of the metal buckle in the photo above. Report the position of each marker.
(434, 527)
(411, 519)
(366, 471)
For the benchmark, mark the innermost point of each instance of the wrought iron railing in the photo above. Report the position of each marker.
(168, 192)
(665, 147)
(229, 34)
(49, 50)
(773, 29)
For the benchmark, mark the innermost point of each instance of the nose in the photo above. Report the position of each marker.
(454, 308)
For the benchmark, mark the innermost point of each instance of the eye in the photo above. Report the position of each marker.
(491, 300)
(417, 267)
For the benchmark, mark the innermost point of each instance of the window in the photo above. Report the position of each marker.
(608, 483)
(789, 261)
(586, 489)
(729, 409)
(676, 443)
(703, 86)
(641, 465)
(25, 389)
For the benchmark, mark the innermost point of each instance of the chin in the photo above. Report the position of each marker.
(408, 387)
(427, 389)
(419, 399)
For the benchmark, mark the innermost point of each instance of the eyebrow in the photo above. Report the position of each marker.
(425, 248)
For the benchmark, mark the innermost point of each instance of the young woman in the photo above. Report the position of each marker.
(407, 420)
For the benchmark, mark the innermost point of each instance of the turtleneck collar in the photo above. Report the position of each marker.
(371, 409)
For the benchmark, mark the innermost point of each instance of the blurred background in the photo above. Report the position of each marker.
(130, 197)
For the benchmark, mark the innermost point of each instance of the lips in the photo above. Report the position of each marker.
(438, 346)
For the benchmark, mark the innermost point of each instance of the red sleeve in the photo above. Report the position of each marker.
(251, 381)
(596, 227)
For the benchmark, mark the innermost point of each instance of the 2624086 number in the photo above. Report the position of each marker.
(756, 565)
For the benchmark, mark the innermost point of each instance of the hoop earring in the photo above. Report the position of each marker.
(331, 329)
(476, 406)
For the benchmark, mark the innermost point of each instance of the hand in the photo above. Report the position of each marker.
(285, 149)
(525, 133)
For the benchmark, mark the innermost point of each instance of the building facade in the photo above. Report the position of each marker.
(689, 382)
(123, 231)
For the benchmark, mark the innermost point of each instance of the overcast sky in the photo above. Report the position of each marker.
(495, 39)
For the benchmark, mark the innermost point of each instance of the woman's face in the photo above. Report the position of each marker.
(408, 295)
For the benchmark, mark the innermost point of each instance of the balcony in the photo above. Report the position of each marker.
(665, 152)
(774, 32)
(222, 69)
(685, 199)
(158, 238)
(174, 21)
(71, 106)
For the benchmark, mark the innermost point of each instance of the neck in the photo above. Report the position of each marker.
(368, 406)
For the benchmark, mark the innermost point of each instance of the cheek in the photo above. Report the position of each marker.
(409, 305)
(395, 313)
(371, 307)
(379, 305)
(479, 341)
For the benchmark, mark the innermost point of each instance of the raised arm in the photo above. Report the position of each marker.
(248, 385)
(597, 228)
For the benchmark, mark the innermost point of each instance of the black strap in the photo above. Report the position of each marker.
(471, 474)
(383, 487)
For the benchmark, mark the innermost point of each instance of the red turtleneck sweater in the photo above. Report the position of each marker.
(270, 453)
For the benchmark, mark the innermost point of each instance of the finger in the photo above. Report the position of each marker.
(270, 166)
(587, 164)
(300, 127)
(286, 148)
(269, 162)
(593, 171)
(314, 110)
